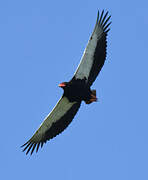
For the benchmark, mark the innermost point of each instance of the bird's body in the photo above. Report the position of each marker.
(77, 89)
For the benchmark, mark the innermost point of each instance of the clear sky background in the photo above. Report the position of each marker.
(41, 43)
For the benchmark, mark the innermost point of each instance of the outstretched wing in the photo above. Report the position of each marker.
(59, 118)
(95, 52)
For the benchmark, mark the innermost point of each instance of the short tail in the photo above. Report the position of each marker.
(94, 92)
(93, 97)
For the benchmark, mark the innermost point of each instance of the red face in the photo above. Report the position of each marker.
(62, 85)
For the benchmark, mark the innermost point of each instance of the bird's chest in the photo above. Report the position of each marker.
(77, 92)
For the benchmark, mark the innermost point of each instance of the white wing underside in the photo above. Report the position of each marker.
(86, 62)
(58, 111)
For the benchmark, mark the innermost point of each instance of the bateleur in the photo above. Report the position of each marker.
(77, 89)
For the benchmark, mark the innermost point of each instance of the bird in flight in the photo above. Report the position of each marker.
(77, 89)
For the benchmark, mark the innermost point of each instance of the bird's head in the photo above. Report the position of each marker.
(63, 85)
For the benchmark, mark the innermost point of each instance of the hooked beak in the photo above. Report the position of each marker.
(62, 85)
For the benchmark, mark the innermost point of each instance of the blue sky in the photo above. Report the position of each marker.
(41, 43)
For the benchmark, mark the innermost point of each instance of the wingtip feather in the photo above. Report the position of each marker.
(104, 18)
(33, 148)
(27, 145)
(37, 147)
(24, 144)
(41, 144)
(30, 146)
(105, 28)
(97, 17)
(101, 16)
(103, 21)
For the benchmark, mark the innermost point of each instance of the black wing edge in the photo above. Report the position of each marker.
(100, 52)
(55, 129)
(103, 21)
